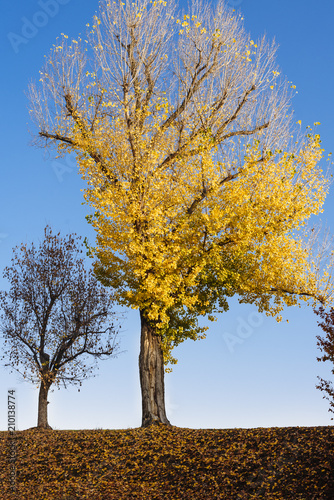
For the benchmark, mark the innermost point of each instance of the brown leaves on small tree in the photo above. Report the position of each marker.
(54, 315)
(326, 346)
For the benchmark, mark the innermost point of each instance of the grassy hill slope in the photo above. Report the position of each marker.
(170, 463)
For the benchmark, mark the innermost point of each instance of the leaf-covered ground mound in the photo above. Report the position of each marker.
(169, 463)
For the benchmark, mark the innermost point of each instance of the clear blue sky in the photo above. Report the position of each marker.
(266, 379)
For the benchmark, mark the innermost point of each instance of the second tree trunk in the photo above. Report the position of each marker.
(43, 406)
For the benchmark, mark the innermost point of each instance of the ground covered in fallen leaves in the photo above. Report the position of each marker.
(169, 463)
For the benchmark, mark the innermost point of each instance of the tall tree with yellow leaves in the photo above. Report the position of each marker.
(181, 127)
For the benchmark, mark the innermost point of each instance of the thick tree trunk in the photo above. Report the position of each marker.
(151, 369)
(43, 406)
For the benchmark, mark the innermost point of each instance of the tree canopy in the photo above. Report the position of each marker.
(181, 127)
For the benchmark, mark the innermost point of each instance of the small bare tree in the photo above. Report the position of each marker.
(54, 313)
(326, 346)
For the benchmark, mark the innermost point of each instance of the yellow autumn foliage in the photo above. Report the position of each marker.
(155, 254)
